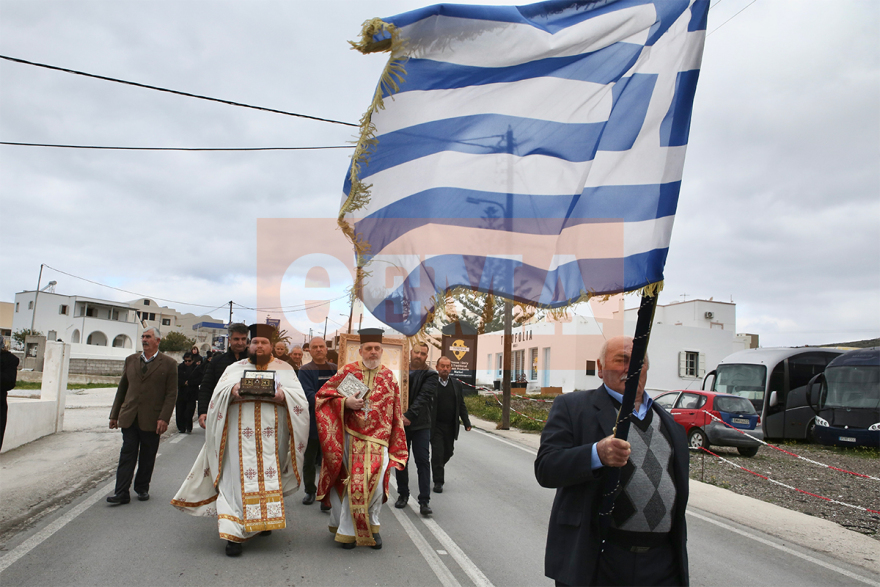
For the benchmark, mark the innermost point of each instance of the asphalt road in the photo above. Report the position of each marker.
(488, 528)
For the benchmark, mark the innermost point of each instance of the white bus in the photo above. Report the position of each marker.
(775, 380)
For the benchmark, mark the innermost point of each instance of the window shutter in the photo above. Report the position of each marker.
(682, 363)
(701, 371)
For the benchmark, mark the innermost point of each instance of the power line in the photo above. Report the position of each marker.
(179, 93)
(223, 305)
(291, 308)
(732, 17)
(176, 148)
(132, 292)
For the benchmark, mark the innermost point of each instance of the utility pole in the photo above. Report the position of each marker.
(505, 381)
(508, 305)
(36, 295)
(325, 328)
(230, 312)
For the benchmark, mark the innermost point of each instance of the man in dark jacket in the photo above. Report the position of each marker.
(312, 376)
(645, 536)
(8, 377)
(449, 410)
(189, 375)
(238, 344)
(417, 420)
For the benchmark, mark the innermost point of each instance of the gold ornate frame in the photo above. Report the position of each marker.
(395, 356)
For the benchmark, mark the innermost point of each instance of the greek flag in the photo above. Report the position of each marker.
(531, 152)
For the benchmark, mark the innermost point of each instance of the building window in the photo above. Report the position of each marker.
(91, 312)
(152, 316)
(62, 309)
(499, 364)
(16, 306)
(533, 359)
(31, 305)
(519, 359)
(166, 321)
(591, 367)
(146, 302)
(691, 364)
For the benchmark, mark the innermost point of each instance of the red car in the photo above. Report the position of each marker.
(689, 409)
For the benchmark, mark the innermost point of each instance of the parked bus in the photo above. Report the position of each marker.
(775, 380)
(846, 400)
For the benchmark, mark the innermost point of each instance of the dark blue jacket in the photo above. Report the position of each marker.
(312, 377)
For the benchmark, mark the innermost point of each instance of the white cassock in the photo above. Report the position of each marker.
(252, 456)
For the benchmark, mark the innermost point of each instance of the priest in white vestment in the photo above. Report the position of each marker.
(253, 451)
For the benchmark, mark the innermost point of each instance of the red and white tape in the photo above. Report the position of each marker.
(828, 499)
(714, 417)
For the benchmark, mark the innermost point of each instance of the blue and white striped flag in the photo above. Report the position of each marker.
(533, 152)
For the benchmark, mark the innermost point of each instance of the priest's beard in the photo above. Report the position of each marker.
(374, 364)
(259, 359)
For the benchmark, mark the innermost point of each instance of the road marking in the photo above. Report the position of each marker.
(513, 444)
(443, 574)
(34, 541)
(180, 436)
(466, 564)
(442, 552)
(785, 549)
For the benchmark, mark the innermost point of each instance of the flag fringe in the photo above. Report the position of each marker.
(392, 76)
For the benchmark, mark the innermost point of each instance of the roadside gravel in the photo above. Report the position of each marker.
(797, 473)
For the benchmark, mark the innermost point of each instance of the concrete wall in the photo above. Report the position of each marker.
(30, 419)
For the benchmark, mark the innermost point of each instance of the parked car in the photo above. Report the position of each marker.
(687, 407)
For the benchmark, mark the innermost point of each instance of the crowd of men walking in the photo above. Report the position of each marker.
(261, 446)
(209, 388)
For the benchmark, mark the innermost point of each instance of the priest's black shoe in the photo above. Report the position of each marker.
(233, 548)
(425, 509)
(378, 539)
(309, 499)
(143, 495)
(349, 545)
(266, 533)
(118, 499)
(438, 488)
(325, 508)
(401, 501)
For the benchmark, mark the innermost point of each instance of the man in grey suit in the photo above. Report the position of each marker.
(144, 401)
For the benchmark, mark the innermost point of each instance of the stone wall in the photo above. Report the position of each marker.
(96, 366)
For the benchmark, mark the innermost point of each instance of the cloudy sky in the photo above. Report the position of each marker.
(779, 208)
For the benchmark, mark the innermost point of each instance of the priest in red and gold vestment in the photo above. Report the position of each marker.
(361, 439)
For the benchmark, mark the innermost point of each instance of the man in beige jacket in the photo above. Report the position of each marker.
(142, 409)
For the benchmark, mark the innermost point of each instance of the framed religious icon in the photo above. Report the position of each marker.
(395, 356)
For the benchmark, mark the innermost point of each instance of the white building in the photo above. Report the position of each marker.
(687, 339)
(95, 328)
(206, 330)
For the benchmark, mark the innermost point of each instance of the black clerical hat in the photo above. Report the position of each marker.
(371, 335)
(262, 331)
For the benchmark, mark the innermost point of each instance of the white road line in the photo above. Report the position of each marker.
(466, 564)
(34, 541)
(513, 444)
(444, 575)
(785, 549)
(177, 438)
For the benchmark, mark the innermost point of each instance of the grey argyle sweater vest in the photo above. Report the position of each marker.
(646, 502)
